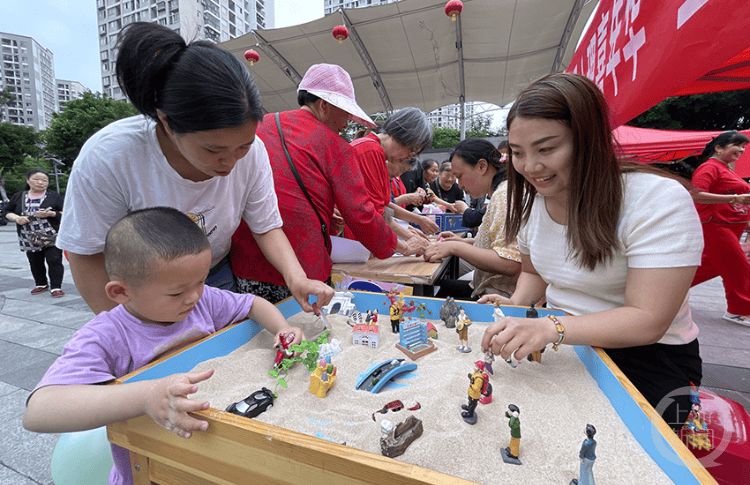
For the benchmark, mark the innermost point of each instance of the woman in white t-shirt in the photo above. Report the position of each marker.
(612, 245)
(193, 149)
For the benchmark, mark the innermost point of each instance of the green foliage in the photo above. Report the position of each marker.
(82, 118)
(480, 127)
(15, 178)
(308, 348)
(728, 110)
(6, 97)
(16, 143)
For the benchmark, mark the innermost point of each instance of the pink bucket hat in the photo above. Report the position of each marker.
(332, 83)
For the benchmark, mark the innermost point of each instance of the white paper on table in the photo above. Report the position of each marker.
(348, 251)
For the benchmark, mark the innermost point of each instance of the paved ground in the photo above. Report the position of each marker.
(34, 329)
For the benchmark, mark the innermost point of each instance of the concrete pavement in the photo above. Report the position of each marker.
(34, 329)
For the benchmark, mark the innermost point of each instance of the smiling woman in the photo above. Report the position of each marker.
(194, 149)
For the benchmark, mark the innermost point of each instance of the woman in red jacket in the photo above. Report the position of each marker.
(722, 200)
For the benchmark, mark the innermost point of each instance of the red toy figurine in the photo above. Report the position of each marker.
(281, 349)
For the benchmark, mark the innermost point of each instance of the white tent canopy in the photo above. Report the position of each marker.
(410, 53)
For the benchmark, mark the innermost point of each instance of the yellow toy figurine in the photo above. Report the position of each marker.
(322, 378)
(462, 328)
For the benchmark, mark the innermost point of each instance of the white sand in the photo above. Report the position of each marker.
(557, 399)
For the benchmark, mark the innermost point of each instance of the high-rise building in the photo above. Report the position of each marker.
(28, 72)
(330, 6)
(445, 117)
(68, 91)
(215, 20)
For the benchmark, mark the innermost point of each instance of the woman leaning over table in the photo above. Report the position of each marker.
(612, 245)
(194, 149)
(389, 153)
(479, 171)
(329, 171)
(721, 198)
(38, 210)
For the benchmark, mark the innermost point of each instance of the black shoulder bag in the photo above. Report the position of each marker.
(323, 226)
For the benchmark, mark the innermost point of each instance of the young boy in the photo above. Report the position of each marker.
(157, 261)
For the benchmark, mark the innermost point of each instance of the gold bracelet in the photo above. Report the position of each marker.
(560, 331)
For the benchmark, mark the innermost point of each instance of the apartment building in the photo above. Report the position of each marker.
(68, 91)
(215, 20)
(28, 71)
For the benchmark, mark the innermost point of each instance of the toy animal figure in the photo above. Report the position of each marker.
(449, 312)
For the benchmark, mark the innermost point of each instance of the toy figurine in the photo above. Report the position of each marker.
(587, 457)
(531, 311)
(489, 358)
(695, 431)
(477, 381)
(371, 317)
(497, 313)
(510, 454)
(462, 328)
(449, 312)
(396, 315)
(398, 309)
(281, 349)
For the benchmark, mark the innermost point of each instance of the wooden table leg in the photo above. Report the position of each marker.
(139, 467)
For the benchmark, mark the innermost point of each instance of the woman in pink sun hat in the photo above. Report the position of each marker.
(330, 174)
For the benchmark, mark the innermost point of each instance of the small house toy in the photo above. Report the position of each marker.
(395, 439)
(322, 378)
(340, 304)
(414, 341)
(367, 335)
(432, 331)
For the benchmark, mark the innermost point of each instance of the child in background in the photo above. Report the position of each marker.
(157, 261)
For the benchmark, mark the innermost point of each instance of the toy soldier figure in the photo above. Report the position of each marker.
(510, 454)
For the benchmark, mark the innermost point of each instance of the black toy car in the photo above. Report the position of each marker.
(253, 405)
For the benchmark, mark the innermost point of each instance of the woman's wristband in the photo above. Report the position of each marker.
(560, 332)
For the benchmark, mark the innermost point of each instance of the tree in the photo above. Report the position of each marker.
(82, 118)
(16, 143)
(728, 110)
(6, 97)
(479, 127)
(445, 138)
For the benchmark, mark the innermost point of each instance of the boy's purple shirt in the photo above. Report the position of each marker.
(115, 343)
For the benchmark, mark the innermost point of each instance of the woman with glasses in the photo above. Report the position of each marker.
(387, 154)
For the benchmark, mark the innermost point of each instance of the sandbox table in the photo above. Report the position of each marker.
(236, 450)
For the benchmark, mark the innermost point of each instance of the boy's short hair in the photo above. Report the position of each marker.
(143, 236)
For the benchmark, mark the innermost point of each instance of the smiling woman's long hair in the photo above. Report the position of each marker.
(596, 189)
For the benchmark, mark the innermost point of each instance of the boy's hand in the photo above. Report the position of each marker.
(168, 405)
(299, 336)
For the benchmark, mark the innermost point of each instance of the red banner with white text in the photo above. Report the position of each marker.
(641, 52)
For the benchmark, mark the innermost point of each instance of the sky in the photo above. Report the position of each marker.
(68, 28)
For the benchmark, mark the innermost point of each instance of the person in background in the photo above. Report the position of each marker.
(446, 189)
(614, 245)
(473, 216)
(479, 169)
(329, 171)
(157, 260)
(389, 153)
(418, 178)
(723, 202)
(38, 211)
(194, 149)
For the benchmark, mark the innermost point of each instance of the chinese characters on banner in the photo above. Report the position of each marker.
(641, 52)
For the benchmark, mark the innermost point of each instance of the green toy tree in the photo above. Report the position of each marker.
(307, 353)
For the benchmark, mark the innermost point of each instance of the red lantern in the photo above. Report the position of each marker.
(453, 8)
(340, 32)
(252, 56)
